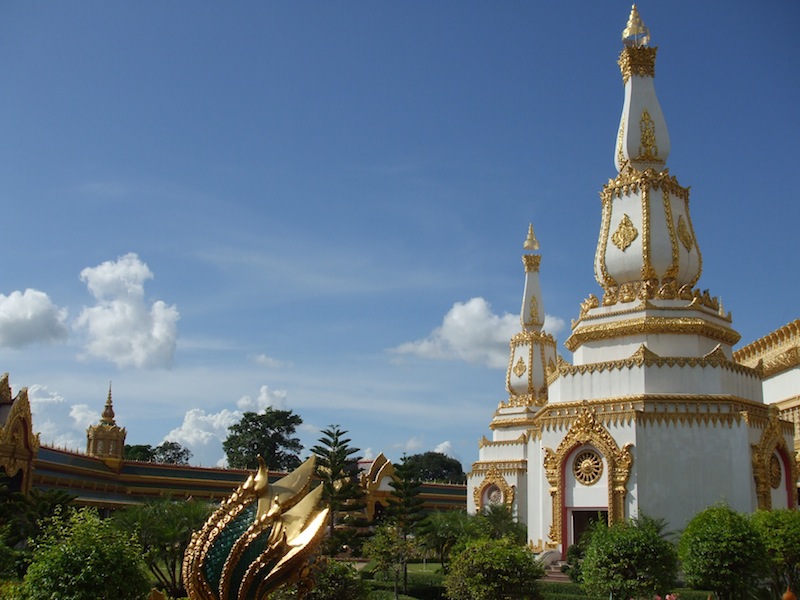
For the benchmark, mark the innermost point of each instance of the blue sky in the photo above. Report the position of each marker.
(320, 206)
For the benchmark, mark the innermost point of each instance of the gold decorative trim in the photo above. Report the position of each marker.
(771, 345)
(531, 262)
(625, 234)
(674, 269)
(637, 61)
(493, 477)
(643, 357)
(775, 472)
(487, 443)
(648, 326)
(697, 301)
(504, 467)
(588, 430)
(621, 161)
(659, 409)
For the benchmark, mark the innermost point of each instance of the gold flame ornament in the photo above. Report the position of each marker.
(261, 538)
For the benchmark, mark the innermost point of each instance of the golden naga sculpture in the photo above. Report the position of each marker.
(261, 538)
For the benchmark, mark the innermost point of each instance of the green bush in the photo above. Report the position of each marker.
(720, 550)
(494, 570)
(629, 560)
(84, 558)
(780, 531)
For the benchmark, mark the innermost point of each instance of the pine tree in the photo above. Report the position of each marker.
(337, 468)
(405, 506)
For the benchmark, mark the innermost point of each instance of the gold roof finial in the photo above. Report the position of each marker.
(530, 242)
(635, 33)
(108, 412)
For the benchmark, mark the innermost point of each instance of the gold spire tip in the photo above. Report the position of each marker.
(635, 34)
(530, 242)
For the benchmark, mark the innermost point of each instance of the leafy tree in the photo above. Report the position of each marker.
(268, 434)
(84, 558)
(440, 531)
(495, 523)
(337, 469)
(167, 453)
(721, 551)
(629, 560)
(26, 514)
(391, 552)
(171, 453)
(140, 452)
(163, 529)
(780, 532)
(435, 466)
(494, 570)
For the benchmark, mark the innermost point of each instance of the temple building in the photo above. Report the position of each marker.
(655, 414)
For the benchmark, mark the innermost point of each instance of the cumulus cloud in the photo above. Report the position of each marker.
(203, 434)
(471, 332)
(29, 317)
(266, 399)
(121, 327)
(39, 396)
(83, 416)
(445, 448)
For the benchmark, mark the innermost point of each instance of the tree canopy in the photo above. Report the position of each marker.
(168, 453)
(435, 466)
(780, 531)
(269, 434)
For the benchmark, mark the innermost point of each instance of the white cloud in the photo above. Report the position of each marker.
(471, 332)
(268, 361)
(83, 416)
(203, 434)
(50, 434)
(29, 317)
(445, 448)
(266, 398)
(39, 395)
(121, 328)
(411, 445)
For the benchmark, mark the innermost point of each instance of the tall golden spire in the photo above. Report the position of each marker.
(530, 241)
(108, 411)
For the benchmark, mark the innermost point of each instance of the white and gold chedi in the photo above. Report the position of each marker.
(654, 415)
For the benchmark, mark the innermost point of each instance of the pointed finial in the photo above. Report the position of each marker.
(530, 242)
(635, 33)
(108, 412)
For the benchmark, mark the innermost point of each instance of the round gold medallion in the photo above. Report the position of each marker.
(587, 467)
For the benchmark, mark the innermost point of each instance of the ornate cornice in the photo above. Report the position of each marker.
(505, 467)
(655, 409)
(647, 358)
(485, 442)
(637, 61)
(651, 325)
(697, 301)
(775, 349)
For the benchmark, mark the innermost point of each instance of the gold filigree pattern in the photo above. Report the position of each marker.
(625, 234)
(520, 368)
(587, 467)
(651, 325)
(492, 480)
(775, 472)
(620, 137)
(684, 234)
(531, 262)
(18, 444)
(586, 429)
(637, 61)
(533, 313)
(648, 150)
